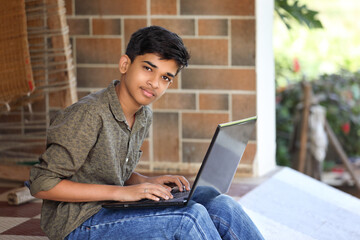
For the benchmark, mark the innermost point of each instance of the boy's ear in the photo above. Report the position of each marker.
(124, 63)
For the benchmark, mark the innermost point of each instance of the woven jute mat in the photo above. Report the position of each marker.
(16, 77)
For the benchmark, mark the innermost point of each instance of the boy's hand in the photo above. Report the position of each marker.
(144, 190)
(152, 188)
(166, 180)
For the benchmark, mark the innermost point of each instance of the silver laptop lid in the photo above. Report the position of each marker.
(224, 154)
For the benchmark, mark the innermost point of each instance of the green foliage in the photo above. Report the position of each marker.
(284, 71)
(340, 94)
(319, 51)
(295, 11)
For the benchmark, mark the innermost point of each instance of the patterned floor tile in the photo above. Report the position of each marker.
(15, 237)
(28, 228)
(29, 210)
(7, 223)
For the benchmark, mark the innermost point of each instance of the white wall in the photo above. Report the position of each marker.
(265, 85)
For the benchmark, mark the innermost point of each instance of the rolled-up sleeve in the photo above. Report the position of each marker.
(70, 138)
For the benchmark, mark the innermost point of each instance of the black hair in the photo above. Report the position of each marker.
(160, 41)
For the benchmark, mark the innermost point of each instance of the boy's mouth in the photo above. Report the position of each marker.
(147, 92)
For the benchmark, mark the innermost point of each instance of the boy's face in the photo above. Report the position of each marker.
(146, 78)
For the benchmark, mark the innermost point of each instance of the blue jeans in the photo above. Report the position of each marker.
(209, 215)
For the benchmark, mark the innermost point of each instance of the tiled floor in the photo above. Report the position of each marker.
(20, 222)
(23, 222)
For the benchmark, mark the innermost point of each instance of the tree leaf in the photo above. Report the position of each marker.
(298, 13)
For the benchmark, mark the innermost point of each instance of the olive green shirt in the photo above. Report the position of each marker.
(88, 142)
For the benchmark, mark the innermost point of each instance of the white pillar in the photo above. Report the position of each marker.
(265, 89)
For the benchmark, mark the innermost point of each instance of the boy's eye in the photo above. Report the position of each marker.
(147, 68)
(167, 78)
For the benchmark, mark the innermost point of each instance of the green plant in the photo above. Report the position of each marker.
(294, 11)
(286, 101)
(340, 94)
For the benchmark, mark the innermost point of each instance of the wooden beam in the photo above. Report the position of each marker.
(338, 148)
(304, 126)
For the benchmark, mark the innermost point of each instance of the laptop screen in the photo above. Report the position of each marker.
(224, 154)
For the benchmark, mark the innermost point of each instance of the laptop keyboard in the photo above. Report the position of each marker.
(177, 196)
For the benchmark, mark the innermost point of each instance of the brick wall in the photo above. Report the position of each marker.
(218, 86)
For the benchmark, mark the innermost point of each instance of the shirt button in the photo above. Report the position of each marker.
(126, 160)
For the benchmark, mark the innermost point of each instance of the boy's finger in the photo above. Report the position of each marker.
(178, 183)
(185, 183)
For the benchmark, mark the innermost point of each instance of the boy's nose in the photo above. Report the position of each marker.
(154, 82)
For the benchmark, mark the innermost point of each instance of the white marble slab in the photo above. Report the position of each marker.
(291, 205)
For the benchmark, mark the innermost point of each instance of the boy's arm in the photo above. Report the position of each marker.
(69, 191)
(136, 178)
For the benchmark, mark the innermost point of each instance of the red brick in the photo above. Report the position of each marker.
(226, 79)
(106, 26)
(58, 100)
(208, 51)
(176, 101)
(12, 117)
(82, 94)
(132, 25)
(214, 102)
(245, 170)
(179, 26)
(213, 27)
(38, 106)
(96, 77)
(243, 106)
(166, 137)
(175, 83)
(78, 26)
(194, 151)
(249, 154)
(96, 50)
(243, 42)
(217, 7)
(201, 125)
(69, 7)
(163, 7)
(110, 7)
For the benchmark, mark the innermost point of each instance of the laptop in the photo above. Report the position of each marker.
(217, 169)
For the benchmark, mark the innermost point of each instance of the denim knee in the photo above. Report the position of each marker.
(196, 222)
(231, 220)
(196, 210)
(225, 207)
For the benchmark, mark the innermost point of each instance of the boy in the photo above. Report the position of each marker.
(94, 146)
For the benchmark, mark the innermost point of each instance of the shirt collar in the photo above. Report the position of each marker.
(117, 111)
